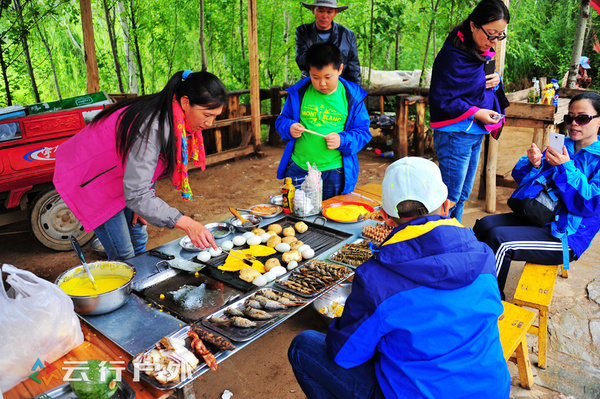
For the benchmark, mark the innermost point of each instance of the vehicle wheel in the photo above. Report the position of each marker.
(52, 222)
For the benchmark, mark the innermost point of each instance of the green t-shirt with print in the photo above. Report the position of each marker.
(321, 113)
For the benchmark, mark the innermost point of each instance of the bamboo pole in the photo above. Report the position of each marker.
(254, 81)
(93, 78)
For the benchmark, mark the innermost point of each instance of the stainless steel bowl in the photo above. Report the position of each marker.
(219, 229)
(254, 219)
(107, 301)
(337, 294)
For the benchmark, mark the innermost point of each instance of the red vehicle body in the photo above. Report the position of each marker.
(26, 170)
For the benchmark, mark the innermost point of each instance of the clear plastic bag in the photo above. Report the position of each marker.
(37, 321)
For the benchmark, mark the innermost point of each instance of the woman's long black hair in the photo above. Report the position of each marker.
(202, 88)
(485, 12)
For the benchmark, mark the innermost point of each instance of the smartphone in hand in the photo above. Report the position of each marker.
(489, 67)
(557, 141)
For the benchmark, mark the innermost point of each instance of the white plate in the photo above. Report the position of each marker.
(264, 216)
(186, 244)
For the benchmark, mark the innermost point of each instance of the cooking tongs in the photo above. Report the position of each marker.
(248, 259)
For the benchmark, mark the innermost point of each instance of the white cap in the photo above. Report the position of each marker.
(416, 179)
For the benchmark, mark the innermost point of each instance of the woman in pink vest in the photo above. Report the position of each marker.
(106, 173)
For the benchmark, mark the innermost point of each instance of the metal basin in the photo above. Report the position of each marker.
(254, 219)
(107, 301)
(337, 294)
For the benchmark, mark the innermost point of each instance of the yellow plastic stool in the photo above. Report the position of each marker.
(513, 324)
(535, 290)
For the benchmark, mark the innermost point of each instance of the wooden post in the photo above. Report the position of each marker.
(91, 65)
(400, 136)
(254, 82)
(419, 135)
(274, 137)
(234, 112)
(490, 163)
(490, 194)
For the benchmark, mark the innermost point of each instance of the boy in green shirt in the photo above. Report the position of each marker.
(324, 123)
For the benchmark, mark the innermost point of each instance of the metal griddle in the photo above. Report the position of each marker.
(320, 238)
(216, 295)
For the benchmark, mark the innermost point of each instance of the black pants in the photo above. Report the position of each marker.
(512, 238)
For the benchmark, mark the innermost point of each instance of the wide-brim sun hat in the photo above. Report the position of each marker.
(324, 3)
(416, 179)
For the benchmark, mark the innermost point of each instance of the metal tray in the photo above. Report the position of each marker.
(341, 251)
(157, 290)
(124, 391)
(300, 269)
(371, 238)
(201, 368)
(320, 238)
(246, 334)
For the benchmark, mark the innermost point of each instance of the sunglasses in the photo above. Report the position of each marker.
(493, 37)
(580, 119)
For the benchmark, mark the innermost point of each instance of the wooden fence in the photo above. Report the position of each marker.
(231, 136)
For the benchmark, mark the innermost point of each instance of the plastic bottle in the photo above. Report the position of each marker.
(536, 85)
(555, 98)
(288, 192)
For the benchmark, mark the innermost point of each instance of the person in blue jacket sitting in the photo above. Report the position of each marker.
(574, 176)
(422, 318)
(325, 122)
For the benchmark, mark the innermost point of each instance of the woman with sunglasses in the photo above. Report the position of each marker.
(574, 176)
(465, 102)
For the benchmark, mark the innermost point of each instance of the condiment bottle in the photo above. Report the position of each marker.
(287, 192)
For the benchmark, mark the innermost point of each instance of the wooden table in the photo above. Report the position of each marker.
(98, 346)
(369, 194)
(94, 346)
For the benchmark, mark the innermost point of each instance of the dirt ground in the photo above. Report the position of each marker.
(262, 369)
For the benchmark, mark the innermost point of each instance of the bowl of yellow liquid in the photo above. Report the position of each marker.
(113, 280)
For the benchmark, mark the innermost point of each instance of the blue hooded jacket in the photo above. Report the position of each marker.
(577, 184)
(352, 139)
(426, 306)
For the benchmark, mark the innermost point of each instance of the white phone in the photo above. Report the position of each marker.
(557, 141)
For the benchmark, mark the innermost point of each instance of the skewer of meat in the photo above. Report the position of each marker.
(216, 340)
(202, 350)
(257, 314)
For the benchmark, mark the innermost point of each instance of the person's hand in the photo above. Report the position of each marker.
(296, 130)
(555, 158)
(137, 218)
(199, 235)
(492, 80)
(333, 140)
(487, 116)
(534, 155)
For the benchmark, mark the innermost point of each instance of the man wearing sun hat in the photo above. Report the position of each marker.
(422, 318)
(325, 30)
(583, 81)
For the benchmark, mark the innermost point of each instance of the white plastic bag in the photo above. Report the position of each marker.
(37, 321)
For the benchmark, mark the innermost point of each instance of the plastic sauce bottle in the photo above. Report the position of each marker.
(288, 192)
(555, 99)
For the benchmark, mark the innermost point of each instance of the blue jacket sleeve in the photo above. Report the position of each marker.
(352, 338)
(358, 134)
(580, 194)
(285, 120)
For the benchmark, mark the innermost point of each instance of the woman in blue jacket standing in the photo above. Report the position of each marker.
(465, 103)
(574, 176)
